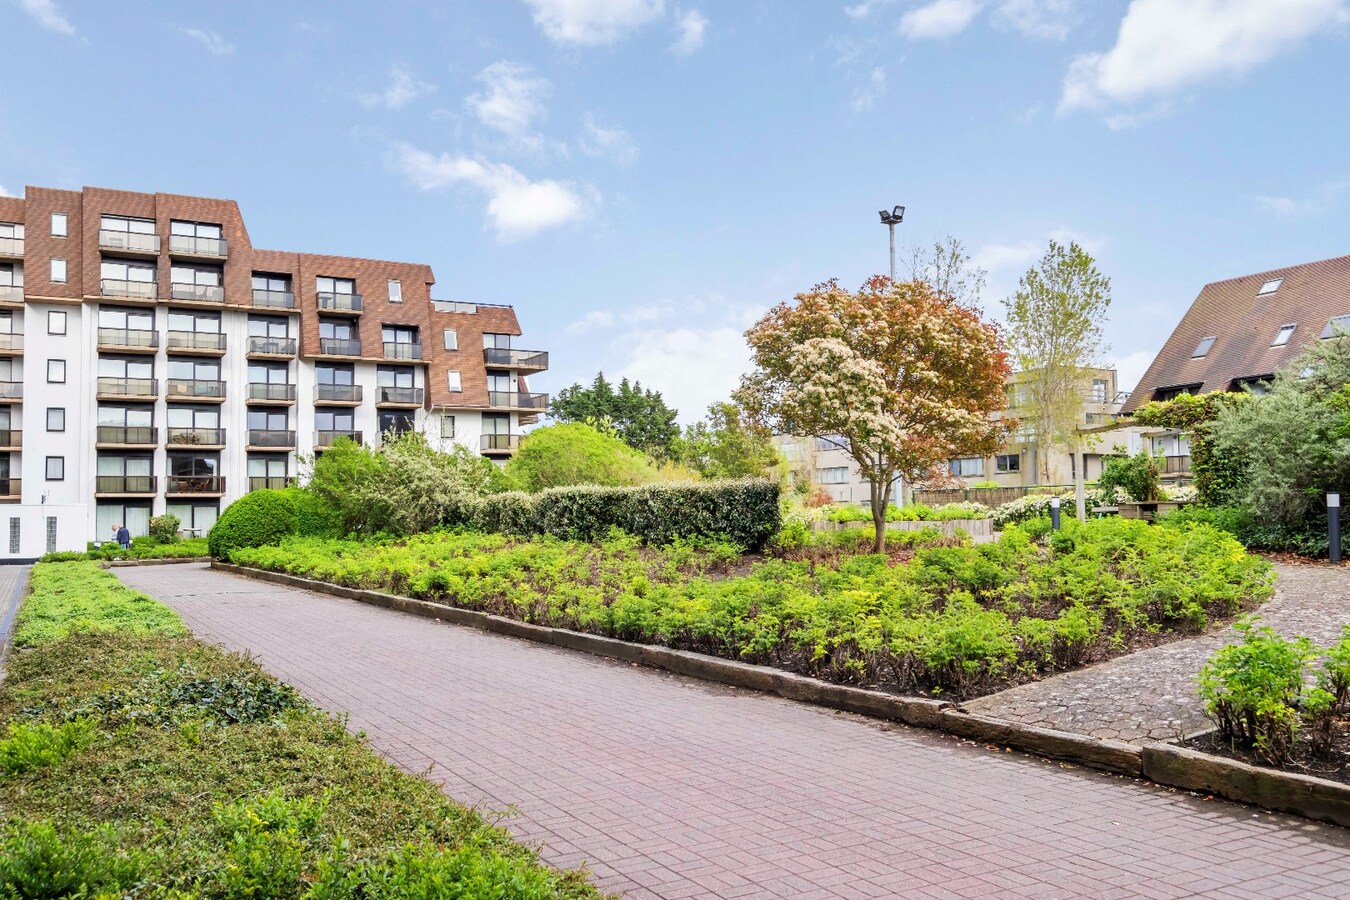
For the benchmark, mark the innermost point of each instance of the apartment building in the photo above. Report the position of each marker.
(823, 463)
(152, 360)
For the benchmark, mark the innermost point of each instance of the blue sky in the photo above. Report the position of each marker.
(641, 178)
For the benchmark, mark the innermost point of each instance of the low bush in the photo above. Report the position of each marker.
(82, 596)
(141, 548)
(254, 520)
(164, 528)
(39, 861)
(914, 512)
(41, 744)
(1035, 506)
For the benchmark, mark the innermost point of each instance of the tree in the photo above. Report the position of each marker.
(726, 444)
(948, 269)
(640, 416)
(907, 376)
(575, 453)
(1055, 320)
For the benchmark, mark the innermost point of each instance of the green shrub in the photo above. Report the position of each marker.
(577, 454)
(1252, 690)
(64, 556)
(164, 528)
(1035, 506)
(256, 519)
(427, 872)
(1139, 477)
(82, 596)
(37, 861)
(41, 744)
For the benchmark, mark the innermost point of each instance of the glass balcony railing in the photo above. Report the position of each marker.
(128, 339)
(278, 393)
(196, 437)
(406, 396)
(195, 389)
(271, 346)
(331, 302)
(194, 484)
(402, 350)
(337, 393)
(536, 360)
(270, 482)
(137, 290)
(273, 299)
(11, 438)
(271, 438)
(124, 484)
(136, 435)
(190, 245)
(10, 342)
(339, 346)
(197, 293)
(128, 387)
(128, 241)
(11, 293)
(326, 438)
(11, 247)
(196, 340)
(499, 443)
(517, 400)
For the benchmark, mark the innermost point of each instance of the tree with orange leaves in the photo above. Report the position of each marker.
(908, 377)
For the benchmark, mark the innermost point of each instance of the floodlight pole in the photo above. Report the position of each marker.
(890, 220)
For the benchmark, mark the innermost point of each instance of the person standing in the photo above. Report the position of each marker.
(114, 532)
(124, 537)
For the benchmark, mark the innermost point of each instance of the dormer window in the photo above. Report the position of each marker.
(1336, 325)
(1202, 348)
(1283, 335)
(1270, 287)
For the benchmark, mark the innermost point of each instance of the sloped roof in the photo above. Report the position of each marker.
(1243, 323)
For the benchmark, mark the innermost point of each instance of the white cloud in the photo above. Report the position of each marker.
(996, 257)
(1006, 262)
(1050, 19)
(1130, 368)
(938, 19)
(517, 207)
(213, 42)
(1324, 198)
(4, 193)
(871, 91)
(609, 141)
(513, 98)
(403, 88)
(863, 10)
(590, 23)
(46, 14)
(593, 320)
(691, 25)
(1165, 46)
(692, 367)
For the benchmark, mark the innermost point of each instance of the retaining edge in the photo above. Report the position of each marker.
(177, 560)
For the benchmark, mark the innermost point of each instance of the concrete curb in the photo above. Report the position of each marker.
(129, 563)
(1165, 764)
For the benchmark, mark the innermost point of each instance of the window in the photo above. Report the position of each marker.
(195, 229)
(126, 319)
(109, 514)
(265, 282)
(194, 417)
(395, 291)
(1172, 393)
(199, 276)
(194, 369)
(10, 274)
(126, 367)
(268, 373)
(56, 322)
(451, 339)
(14, 534)
(56, 468)
(12, 230)
(123, 270)
(447, 427)
(832, 475)
(1202, 348)
(334, 420)
(267, 419)
(333, 374)
(326, 285)
(1283, 335)
(1007, 462)
(194, 519)
(56, 371)
(336, 329)
(59, 225)
(275, 327)
(51, 534)
(1336, 325)
(58, 270)
(400, 334)
(1100, 386)
(831, 442)
(452, 378)
(396, 422)
(394, 376)
(56, 418)
(496, 341)
(966, 467)
(127, 224)
(198, 323)
(1270, 286)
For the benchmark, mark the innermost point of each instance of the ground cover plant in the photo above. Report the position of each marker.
(147, 547)
(942, 619)
(139, 762)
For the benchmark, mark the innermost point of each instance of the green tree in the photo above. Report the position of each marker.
(576, 453)
(1055, 320)
(638, 415)
(726, 444)
(948, 269)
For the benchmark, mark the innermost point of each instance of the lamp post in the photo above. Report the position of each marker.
(1334, 527)
(890, 220)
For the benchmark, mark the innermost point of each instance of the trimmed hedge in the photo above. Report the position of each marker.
(256, 519)
(745, 512)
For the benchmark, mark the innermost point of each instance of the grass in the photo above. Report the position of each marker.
(82, 596)
(156, 766)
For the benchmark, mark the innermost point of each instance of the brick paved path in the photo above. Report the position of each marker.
(669, 787)
(1151, 694)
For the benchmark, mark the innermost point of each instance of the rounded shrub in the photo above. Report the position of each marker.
(256, 519)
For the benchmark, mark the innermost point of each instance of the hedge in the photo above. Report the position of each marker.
(254, 520)
(745, 512)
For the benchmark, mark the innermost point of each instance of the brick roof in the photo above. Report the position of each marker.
(1244, 323)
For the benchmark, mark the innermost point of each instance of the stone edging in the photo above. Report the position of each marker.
(1165, 764)
(174, 561)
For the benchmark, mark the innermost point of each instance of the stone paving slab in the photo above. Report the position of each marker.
(1151, 695)
(669, 787)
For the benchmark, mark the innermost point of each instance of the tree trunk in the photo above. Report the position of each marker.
(881, 495)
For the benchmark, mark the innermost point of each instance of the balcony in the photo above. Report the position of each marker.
(337, 394)
(339, 303)
(11, 391)
(402, 350)
(124, 485)
(326, 438)
(518, 400)
(195, 389)
(128, 340)
(10, 490)
(270, 346)
(499, 443)
(197, 293)
(132, 290)
(204, 343)
(126, 436)
(200, 247)
(398, 396)
(339, 347)
(270, 482)
(196, 485)
(127, 388)
(262, 392)
(273, 299)
(11, 295)
(11, 439)
(11, 344)
(1177, 465)
(200, 438)
(524, 360)
(129, 242)
(11, 248)
(270, 439)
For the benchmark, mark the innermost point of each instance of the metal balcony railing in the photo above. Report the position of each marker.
(11, 293)
(128, 387)
(403, 395)
(196, 437)
(11, 438)
(11, 247)
(270, 482)
(326, 438)
(516, 359)
(128, 240)
(197, 293)
(199, 246)
(144, 435)
(118, 287)
(517, 400)
(499, 442)
(258, 390)
(337, 393)
(339, 302)
(402, 350)
(271, 346)
(273, 299)
(268, 437)
(195, 484)
(195, 388)
(340, 346)
(128, 338)
(196, 340)
(124, 484)
(11, 342)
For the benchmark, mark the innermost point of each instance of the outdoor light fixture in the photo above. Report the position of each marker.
(1334, 527)
(890, 220)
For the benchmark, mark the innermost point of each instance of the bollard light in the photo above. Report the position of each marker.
(1054, 513)
(1334, 527)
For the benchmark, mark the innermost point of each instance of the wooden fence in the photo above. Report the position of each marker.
(991, 497)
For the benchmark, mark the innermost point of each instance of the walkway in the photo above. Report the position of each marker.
(668, 787)
(1151, 694)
